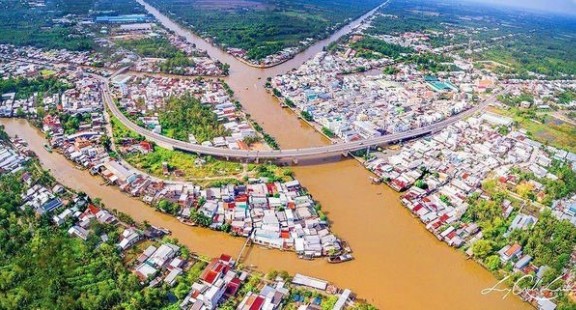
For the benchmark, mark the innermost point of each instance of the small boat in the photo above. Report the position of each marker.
(48, 148)
(186, 221)
(306, 257)
(162, 229)
(346, 247)
(375, 180)
(340, 259)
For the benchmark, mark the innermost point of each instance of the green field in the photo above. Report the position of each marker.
(263, 27)
(539, 43)
(203, 170)
(545, 128)
(24, 24)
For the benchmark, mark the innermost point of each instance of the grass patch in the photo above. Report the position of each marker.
(203, 170)
(551, 131)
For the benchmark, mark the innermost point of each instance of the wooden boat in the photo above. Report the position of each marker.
(48, 148)
(306, 257)
(186, 221)
(340, 259)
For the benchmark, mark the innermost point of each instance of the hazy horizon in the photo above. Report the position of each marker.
(555, 6)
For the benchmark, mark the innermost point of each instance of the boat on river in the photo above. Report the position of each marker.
(306, 257)
(340, 259)
(186, 221)
(48, 148)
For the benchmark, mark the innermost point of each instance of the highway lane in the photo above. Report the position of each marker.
(287, 154)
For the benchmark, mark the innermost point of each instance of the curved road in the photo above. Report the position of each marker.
(292, 154)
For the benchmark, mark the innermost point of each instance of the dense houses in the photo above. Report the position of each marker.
(33, 54)
(270, 60)
(543, 95)
(439, 175)
(453, 164)
(115, 57)
(218, 281)
(278, 215)
(145, 96)
(361, 106)
(157, 261)
(565, 209)
(82, 93)
(12, 158)
(270, 297)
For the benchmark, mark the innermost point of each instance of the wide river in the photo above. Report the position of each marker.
(398, 265)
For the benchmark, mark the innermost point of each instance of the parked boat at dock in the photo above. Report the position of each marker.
(340, 259)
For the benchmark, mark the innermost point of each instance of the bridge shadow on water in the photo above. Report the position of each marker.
(313, 161)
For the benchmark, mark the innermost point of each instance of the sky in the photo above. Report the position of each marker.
(558, 6)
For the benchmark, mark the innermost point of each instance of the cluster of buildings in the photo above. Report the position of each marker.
(277, 215)
(146, 96)
(83, 93)
(360, 106)
(157, 264)
(199, 63)
(440, 173)
(61, 56)
(270, 60)
(221, 281)
(451, 37)
(565, 209)
(12, 158)
(83, 148)
(15, 69)
(544, 93)
(274, 214)
(40, 199)
(162, 262)
(522, 263)
(218, 281)
(415, 40)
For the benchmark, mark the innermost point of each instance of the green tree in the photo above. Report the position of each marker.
(482, 248)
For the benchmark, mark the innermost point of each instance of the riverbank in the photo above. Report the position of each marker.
(397, 254)
(393, 252)
(270, 208)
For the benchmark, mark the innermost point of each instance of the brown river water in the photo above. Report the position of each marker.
(398, 265)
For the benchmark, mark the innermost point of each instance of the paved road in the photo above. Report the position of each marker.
(287, 154)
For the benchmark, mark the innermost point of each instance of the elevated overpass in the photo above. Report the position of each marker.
(286, 154)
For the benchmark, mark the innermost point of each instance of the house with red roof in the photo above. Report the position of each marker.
(510, 252)
(217, 282)
(269, 298)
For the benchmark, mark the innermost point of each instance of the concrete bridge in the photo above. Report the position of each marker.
(294, 155)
